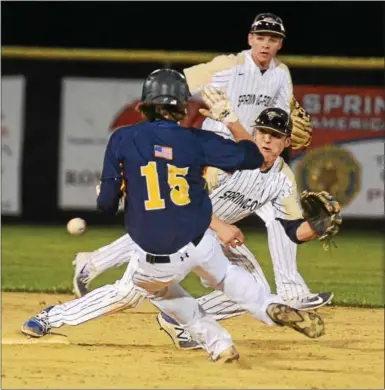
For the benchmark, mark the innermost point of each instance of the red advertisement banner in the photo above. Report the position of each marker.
(343, 108)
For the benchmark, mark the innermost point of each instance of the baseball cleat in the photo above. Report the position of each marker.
(37, 326)
(81, 278)
(229, 355)
(310, 301)
(179, 336)
(309, 324)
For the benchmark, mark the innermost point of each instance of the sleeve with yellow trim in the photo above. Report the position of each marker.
(287, 207)
(286, 204)
(217, 72)
(111, 180)
(283, 98)
(301, 135)
(123, 190)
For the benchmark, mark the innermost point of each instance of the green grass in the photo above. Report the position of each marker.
(39, 259)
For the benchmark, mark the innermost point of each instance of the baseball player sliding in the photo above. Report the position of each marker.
(166, 163)
(253, 80)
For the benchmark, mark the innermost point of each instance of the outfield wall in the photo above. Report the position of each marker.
(57, 116)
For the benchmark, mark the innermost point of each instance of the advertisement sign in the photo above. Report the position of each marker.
(343, 108)
(346, 157)
(90, 109)
(346, 160)
(12, 134)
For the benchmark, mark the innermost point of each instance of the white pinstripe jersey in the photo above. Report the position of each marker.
(244, 192)
(249, 90)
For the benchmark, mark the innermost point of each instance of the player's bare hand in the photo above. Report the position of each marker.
(219, 105)
(230, 235)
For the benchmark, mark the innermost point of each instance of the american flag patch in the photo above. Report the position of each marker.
(163, 152)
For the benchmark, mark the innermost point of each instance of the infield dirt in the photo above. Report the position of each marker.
(127, 350)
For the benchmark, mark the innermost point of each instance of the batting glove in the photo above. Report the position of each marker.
(219, 105)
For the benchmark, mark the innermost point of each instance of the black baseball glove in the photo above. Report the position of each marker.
(323, 213)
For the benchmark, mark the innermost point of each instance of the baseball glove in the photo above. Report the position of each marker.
(301, 134)
(322, 212)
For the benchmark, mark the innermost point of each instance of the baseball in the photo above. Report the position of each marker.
(76, 226)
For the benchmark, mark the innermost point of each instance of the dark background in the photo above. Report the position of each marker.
(346, 28)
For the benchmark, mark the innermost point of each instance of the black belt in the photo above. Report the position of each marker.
(159, 259)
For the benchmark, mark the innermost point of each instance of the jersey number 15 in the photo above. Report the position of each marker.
(179, 187)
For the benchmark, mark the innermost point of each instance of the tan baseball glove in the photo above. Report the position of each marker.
(323, 213)
(302, 132)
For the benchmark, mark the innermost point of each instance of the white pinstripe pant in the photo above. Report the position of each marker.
(160, 283)
(283, 252)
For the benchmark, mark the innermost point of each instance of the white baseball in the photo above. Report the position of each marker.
(76, 226)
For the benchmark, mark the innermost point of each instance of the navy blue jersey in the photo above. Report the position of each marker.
(162, 165)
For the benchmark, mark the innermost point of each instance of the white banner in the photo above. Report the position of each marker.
(89, 107)
(353, 172)
(12, 134)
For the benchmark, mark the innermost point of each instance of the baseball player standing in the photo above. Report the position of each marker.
(253, 80)
(162, 164)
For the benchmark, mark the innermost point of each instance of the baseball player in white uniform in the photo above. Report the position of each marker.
(158, 281)
(253, 80)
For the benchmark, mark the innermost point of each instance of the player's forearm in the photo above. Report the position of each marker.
(239, 132)
(111, 180)
(253, 157)
(305, 232)
(216, 223)
(229, 235)
(298, 230)
(108, 199)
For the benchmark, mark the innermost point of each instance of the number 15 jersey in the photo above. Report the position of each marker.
(161, 165)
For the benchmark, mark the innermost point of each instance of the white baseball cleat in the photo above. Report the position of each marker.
(310, 301)
(82, 274)
(229, 355)
(179, 336)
